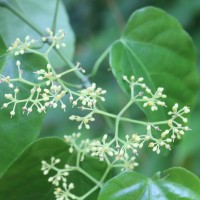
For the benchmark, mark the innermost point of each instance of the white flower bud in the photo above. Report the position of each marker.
(10, 85)
(140, 79)
(5, 105)
(63, 106)
(16, 90)
(18, 63)
(12, 113)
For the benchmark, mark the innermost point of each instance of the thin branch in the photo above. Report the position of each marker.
(55, 16)
(116, 13)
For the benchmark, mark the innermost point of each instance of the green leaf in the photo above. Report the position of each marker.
(41, 16)
(2, 52)
(174, 183)
(26, 181)
(21, 130)
(155, 46)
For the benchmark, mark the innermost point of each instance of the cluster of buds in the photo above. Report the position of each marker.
(58, 178)
(154, 143)
(175, 130)
(6, 79)
(71, 140)
(39, 98)
(53, 96)
(19, 47)
(133, 81)
(46, 167)
(154, 100)
(101, 148)
(84, 120)
(129, 163)
(104, 149)
(46, 76)
(175, 126)
(89, 96)
(56, 39)
(65, 193)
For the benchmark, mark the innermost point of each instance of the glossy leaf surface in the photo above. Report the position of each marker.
(26, 181)
(174, 183)
(155, 46)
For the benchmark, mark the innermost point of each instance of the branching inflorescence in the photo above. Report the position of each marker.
(117, 151)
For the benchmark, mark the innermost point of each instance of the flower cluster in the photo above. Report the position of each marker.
(59, 178)
(19, 47)
(84, 120)
(46, 76)
(134, 82)
(39, 98)
(46, 93)
(65, 194)
(154, 100)
(89, 96)
(175, 130)
(56, 39)
(120, 155)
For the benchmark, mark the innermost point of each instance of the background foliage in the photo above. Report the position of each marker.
(97, 24)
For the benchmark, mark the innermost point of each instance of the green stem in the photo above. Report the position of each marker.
(119, 117)
(160, 123)
(89, 192)
(105, 174)
(82, 77)
(68, 71)
(99, 61)
(116, 13)
(89, 176)
(49, 49)
(53, 27)
(106, 118)
(22, 81)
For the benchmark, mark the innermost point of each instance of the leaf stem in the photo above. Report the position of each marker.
(99, 61)
(89, 192)
(121, 118)
(53, 27)
(89, 176)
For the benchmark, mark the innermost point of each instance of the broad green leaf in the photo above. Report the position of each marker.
(155, 46)
(2, 52)
(41, 16)
(174, 183)
(26, 181)
(21, 130)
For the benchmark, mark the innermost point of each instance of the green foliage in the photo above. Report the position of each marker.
(42, 17)
(155, 46)
(25, 172)
(27, 127)
(173, 183)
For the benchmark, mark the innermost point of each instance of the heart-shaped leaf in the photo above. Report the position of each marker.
(26, 180)
(174, 183)
(155, 46)
(21, 130)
